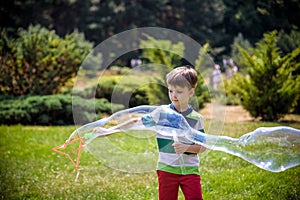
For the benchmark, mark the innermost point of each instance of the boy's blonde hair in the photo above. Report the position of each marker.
(183, 76)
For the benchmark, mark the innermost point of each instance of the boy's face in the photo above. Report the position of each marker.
(180, 96)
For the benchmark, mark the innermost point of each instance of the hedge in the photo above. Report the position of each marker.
(51, 109)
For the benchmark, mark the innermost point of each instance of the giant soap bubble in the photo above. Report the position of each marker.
(274, 149)
(93, 70)
(271, 148)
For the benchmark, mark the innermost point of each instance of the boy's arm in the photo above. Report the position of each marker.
(194, 148)
(190, 148)
(126, 124)
(118, 127)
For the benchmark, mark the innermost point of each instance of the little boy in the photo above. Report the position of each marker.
(178, 163)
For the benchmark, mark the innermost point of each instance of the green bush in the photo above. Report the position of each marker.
(51, 109)
(162, 53)
(271, 88)
(287, 42)
(39, 62)
(117, 88)
(239, 41)
(140, 89)
(232, 92)
(124, 90)
(106, 87)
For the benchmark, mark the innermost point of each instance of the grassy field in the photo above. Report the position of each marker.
(30, 170)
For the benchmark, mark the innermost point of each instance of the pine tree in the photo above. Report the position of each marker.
(272, 87)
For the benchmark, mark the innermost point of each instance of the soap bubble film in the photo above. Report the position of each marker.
(271, 148)
(109, 150)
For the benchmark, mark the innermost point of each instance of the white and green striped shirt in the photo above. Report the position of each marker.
(169, 161)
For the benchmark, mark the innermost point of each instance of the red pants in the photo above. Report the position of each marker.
(168, 185)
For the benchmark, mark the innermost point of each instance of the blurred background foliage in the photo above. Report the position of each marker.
(43, 44)
(39, 62)
(217, 22)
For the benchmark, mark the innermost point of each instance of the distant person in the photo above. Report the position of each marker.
(230, 61)
(224, 63)
(216, 77)
(135, 63)
(235, 69)
(228, 72)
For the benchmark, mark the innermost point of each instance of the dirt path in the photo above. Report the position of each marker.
(232, 113)
(239, 114)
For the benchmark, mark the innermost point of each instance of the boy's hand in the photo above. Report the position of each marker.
(180, 148)
(99, 129)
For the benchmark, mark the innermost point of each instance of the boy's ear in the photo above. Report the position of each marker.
(192, 92)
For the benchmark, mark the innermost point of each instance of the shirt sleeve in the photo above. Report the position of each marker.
(200, 128)
(148, 120)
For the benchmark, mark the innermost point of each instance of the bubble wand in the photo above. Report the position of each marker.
(271, 148)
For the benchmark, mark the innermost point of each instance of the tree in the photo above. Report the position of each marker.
(289, 41)
(165, 53)
(202, 19)
(239, 41)
(253, 18)
(39, 61)
(271, 88)
(216, 22)
(161, 53)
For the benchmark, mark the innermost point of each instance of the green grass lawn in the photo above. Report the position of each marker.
(29, 169)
